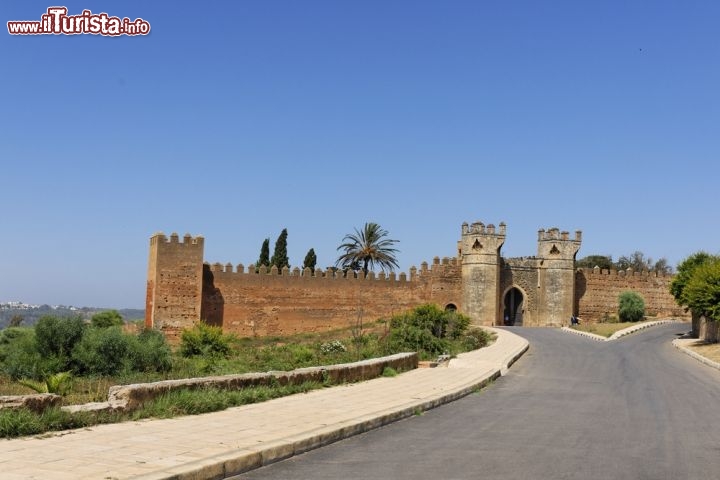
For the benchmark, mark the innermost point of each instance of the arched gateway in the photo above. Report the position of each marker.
(513, 307)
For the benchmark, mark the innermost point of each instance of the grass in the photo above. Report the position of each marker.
(711, 351)
(247, 355)
(23, 422)
(389, 372)
(604, 329)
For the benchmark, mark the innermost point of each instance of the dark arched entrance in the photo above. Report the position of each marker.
(513, 307)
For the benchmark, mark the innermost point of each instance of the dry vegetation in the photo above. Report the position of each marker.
(711, 351)
(604, 329)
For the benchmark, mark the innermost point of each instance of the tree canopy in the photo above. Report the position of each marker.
(367, 248)
(591, 261)
(685, 271)
(280, 256)
(636, 260)
(310, 260)
(264, 259)
(108, 318)
(702, 291)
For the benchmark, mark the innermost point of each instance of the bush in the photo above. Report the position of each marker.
(389, 372)
(150, 352)
(336, 346)
(702, 291)
(476, 338)
(631, 307)
(56, 338)
(427, 329)
(20, 357)
(204, 339)
(102, 351)
(109, 318)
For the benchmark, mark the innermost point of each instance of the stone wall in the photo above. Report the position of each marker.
(522, 273)
(479, 250)
(292, 301)
(597, 293)
(556, 274)
(131, 397)
(174, 282)
(182, 291)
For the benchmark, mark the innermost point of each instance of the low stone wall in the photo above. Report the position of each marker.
(130, 397)
(36, 402)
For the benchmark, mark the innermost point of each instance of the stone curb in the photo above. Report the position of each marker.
(581, 333)
(230, 464)
(619, 333)
(636, 328)
(678, 343)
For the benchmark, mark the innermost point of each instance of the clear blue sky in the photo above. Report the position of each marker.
(236, 119)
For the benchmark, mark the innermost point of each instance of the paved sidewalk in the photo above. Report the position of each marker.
(216, 445)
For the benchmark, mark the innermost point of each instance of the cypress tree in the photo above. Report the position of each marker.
(310, 260)
(264, 254)
(280, 257)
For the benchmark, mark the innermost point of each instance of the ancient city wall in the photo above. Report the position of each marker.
(263, 303)
(522, 273)
(182, 290)
(174, 282)
(596, 293)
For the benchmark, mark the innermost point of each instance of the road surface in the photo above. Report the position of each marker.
(570, 408)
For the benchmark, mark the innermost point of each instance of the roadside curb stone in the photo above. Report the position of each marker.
(620, 333)
(680, 344)
(230, 442)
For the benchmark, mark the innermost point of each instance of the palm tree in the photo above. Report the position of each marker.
(367, 248)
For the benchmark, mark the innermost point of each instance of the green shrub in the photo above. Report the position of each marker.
(336, 346)
(427, 329)
(57, 383)
(204, 339)
(456, 325)
(102, 351)
(302, 354)
(389, 372)
(631, 307)
(476, 338)
(109, 318)
(56, 338)
(150, 352)
(20, 357)
(702, 291)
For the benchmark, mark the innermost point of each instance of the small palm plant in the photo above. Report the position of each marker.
(58, 383)
(367, 248)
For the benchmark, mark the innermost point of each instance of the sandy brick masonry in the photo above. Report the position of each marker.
(541, 290)
(216, 445)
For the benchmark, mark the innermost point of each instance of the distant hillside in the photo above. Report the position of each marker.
(31, 313)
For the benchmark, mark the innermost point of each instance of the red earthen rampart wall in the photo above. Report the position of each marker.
(262, 304)
(597, 291)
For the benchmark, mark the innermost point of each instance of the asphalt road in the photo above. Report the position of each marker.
(570, 408)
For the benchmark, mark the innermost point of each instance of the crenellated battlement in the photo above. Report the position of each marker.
(437, 267)
(479, 228)
(554, 234)
(622, 273)
(557, 246)
(160, 238)
(545, 289)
